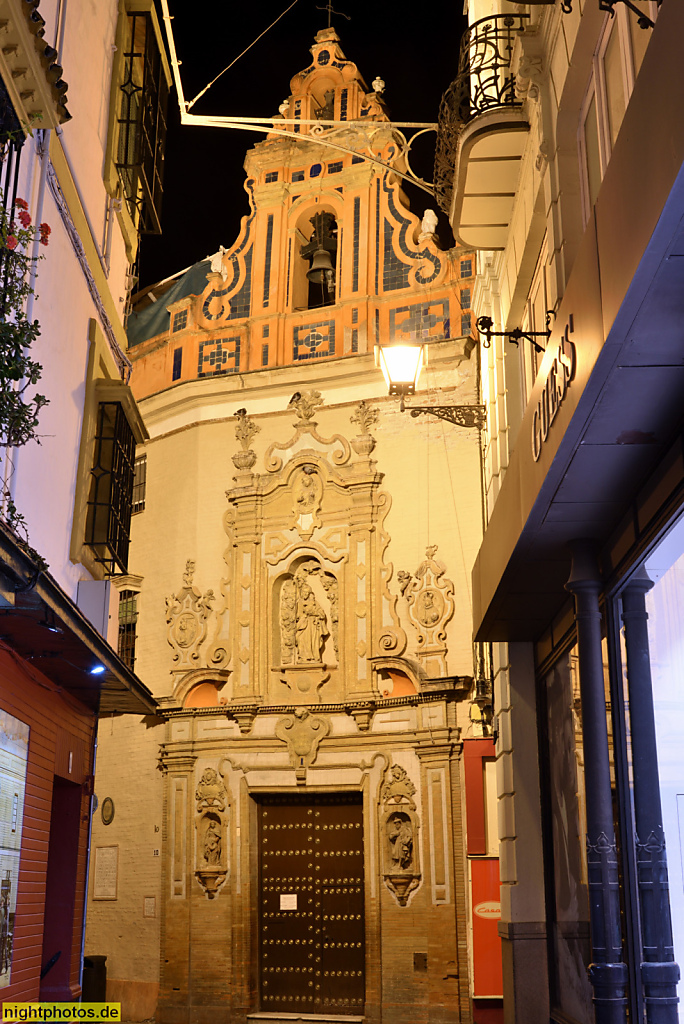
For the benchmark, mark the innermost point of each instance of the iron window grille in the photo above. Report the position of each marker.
(128, 618)
(139, 484)
(484, 82)
(142, 124)
(108, 523)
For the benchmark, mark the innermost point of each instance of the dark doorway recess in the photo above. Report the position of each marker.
(60, 890)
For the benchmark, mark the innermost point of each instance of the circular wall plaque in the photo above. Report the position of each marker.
(107, 812)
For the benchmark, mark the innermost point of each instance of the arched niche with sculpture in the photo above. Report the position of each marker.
(211, 833)
(399, 834)
(305, 633)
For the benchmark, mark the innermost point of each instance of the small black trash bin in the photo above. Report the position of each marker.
(94, 979)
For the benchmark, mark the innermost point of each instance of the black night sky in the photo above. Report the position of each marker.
(413, 46)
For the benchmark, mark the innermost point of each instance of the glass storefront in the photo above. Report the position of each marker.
(665, 606)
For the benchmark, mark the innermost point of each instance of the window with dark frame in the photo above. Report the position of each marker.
(108, 521)
(128, 618)
(177, 364)
(143, 99)
(467, 268)
(139, 484)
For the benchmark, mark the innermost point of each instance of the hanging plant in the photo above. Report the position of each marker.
(19, 372)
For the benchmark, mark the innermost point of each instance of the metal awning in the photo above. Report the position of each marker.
(43, 626)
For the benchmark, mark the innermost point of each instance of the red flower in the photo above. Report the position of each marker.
(45, 229)
(11, 242)
(25, 218)
(21, 204)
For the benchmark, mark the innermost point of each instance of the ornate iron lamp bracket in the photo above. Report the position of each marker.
(643, 21)
(485, 324)
(460, 415)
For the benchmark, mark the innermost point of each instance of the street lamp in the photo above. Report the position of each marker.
(401, 366)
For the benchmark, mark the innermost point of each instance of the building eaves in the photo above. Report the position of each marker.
(28, 67)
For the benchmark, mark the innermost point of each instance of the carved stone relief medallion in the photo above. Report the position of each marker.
(431, 604)
(186, 630)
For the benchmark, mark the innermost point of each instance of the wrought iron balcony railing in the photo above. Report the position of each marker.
(484, 82)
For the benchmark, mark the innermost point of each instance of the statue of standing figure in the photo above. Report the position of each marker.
(212, 843)
(310, 628)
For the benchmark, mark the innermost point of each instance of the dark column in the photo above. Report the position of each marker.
(659, 972)
(607, 972)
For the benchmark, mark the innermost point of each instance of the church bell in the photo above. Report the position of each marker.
(320, 263)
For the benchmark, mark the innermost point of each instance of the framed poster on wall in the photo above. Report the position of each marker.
(14, 740)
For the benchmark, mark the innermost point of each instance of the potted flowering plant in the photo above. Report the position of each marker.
(19, 372)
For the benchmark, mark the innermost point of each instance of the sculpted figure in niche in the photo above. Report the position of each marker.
(310, 628)
(400, 838)
(212, 843)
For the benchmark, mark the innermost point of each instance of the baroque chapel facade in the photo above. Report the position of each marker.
(291, 829)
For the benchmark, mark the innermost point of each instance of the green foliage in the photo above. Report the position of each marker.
(19, 373)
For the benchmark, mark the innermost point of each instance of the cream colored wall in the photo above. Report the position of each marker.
(128, 748)
(44, 475)
(431, 471)
(547, 202)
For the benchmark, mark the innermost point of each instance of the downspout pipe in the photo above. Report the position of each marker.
(659, 971)
(607, 972)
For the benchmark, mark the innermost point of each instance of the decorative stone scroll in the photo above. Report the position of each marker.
(431, 605)
(306, 437)
(303, 733)
(211, 827)
(399, 827)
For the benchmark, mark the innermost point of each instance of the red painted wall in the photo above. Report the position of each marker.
(58, 724)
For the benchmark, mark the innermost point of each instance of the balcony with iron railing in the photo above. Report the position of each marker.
(481, 135)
